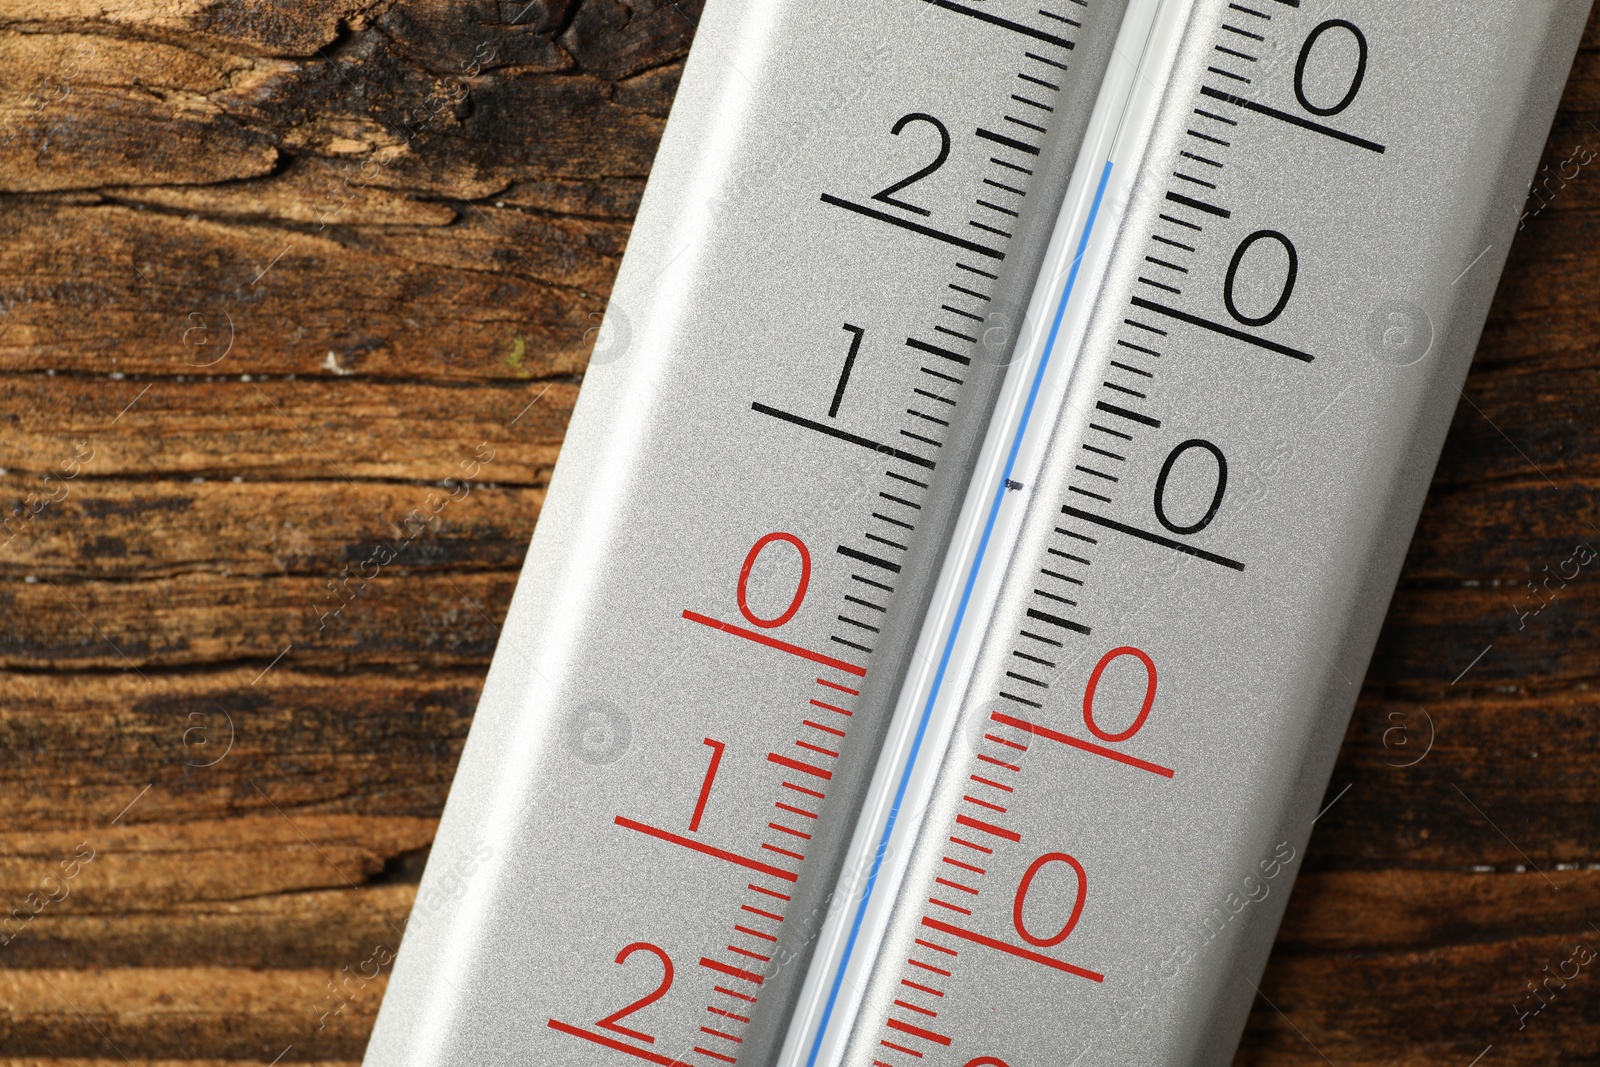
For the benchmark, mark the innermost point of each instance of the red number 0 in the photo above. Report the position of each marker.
(1094, 683)
(799, 592)
(1022, 895)
(610, 1021)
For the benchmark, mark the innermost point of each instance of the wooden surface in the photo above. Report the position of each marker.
(270, 270)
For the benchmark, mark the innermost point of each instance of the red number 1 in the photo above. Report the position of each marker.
(705, 787)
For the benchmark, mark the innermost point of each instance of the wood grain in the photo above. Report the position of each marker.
(270, 273)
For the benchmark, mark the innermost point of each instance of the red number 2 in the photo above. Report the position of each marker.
(610, 1021)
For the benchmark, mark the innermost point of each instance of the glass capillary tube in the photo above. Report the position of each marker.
(1025, 419)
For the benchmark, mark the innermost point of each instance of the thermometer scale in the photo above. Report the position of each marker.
(1005, 437)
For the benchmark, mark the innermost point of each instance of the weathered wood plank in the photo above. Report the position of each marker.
(199, 619)
(1408, 910)
(282, 931)
(286, 428)
(217, 744)
(1443, 1006)
(415, 210)
(119, 529)
(216, 1012)
(212, 297)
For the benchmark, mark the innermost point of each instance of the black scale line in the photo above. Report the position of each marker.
(1219, 328)
(1155, 539)
(1132, 416)
(914, 227)
(871, 560)
(922, 346)
(1291, 119)
(1200, 205)
(850, 644)
(1056, 620)
(1111, 524)
(841, 435)
(1009, 142)
(1006, 24)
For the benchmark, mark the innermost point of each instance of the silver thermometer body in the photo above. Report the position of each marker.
(1079, 851)
(819, 298)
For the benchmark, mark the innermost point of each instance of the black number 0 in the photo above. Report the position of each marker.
(1216, 498)
(1305, 54)
(1288, 284)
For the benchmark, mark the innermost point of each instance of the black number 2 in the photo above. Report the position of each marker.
(887, 196)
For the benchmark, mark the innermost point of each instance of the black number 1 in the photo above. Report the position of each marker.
(849, 362)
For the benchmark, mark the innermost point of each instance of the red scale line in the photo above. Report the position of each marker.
(969, 844)
(782, 851)
(936, 948)
(730, 970)
(953, 907)
(613, 1043)
(917, 1031)
(768, 892)
(1085, 746)
(783, 761)
(773, 642)
(988, 828)
(1014, 950)
(901, 1048)
(709, 850)
(797, 765)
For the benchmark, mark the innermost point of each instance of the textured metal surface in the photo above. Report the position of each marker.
(741, 287)
(567, 874)
(1254, 605)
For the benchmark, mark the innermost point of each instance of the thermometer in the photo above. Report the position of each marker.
(996, 461)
